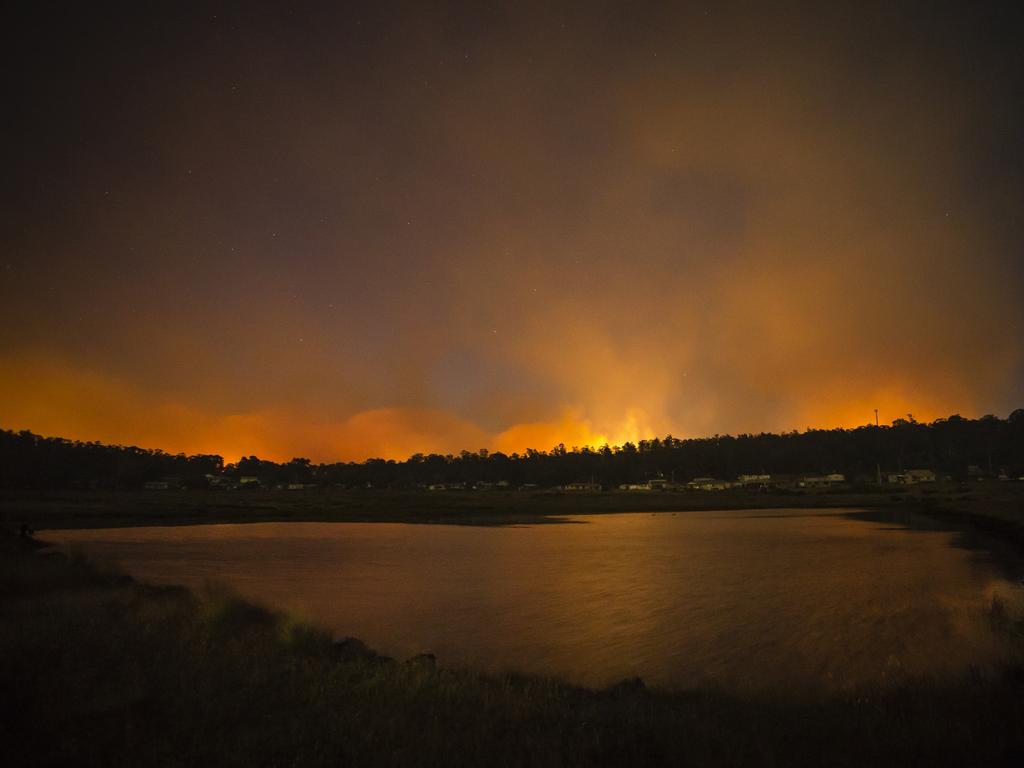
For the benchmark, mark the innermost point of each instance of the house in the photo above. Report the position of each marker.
(446, 487)
(911, 477)
(708, 484)
(635, 487)
(754, 481)
(581, 487)
(165, 483)
(822, 481)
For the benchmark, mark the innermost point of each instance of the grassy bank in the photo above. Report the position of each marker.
(97, 669)
(992, 509)
(95, 509)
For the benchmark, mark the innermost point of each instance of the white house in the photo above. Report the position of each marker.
(755, 480)
(708, 484)
(823, 481)
(581, 487)
(912, 477)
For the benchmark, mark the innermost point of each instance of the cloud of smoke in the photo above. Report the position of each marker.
(611, 228)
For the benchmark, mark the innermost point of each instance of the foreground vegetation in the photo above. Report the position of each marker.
(97, 669)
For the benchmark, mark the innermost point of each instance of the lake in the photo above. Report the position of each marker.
(749, 601)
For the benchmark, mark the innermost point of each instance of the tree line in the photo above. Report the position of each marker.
(953, 446)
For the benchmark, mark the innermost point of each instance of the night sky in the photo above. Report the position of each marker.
(348, 231)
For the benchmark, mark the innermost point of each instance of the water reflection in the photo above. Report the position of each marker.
(1005, 555)
(744, 600)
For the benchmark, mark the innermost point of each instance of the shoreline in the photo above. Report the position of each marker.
(78, 509)
(995, 510)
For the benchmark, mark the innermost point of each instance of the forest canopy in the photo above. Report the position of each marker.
(954, 446)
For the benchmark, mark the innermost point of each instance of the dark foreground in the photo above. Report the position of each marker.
(97, 669)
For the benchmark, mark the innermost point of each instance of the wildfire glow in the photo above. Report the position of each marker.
(547, 235)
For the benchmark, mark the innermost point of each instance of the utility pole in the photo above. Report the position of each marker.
(878, 465)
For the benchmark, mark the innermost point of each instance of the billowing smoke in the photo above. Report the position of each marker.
(430, 234)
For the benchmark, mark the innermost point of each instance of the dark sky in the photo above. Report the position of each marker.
(349, 230)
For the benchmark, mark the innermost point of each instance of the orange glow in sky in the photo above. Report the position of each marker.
(309, 237)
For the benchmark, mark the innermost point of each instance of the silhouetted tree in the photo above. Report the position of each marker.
(949, 445)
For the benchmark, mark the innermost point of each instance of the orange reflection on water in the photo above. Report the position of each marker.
(749, 601)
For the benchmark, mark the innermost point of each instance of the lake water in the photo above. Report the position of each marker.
(744, 600)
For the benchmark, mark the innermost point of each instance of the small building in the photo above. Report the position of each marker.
(708, 484)
(822, 481)
(754, 481)
(635, 487)
(581, 487)
(912, 477)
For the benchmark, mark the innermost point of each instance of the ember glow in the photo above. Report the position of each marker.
(379, 231)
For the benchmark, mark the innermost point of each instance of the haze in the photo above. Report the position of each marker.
(385, 230)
